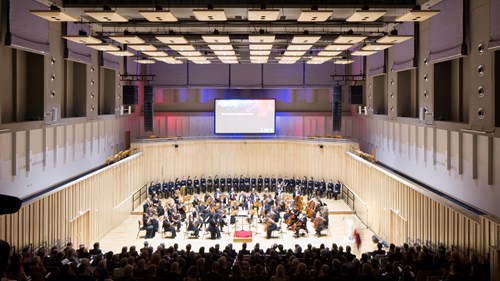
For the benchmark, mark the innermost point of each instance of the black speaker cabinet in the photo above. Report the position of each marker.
(130, 94)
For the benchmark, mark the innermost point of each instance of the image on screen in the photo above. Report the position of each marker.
(240, 116)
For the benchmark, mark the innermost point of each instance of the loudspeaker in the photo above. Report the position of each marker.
(130, 94)
(9, 204)
(356, 94)
(337, 108)
(148, 108)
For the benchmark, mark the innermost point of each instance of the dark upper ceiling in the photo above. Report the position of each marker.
(237, 25)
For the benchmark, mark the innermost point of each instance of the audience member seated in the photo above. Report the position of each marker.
(274, 264)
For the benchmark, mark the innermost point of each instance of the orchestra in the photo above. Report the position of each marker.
(224, 199)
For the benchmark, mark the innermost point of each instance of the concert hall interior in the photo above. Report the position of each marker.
(335, 140)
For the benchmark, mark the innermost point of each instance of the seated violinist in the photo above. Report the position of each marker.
(300, 224)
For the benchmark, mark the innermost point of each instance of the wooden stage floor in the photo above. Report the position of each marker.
(341, 218)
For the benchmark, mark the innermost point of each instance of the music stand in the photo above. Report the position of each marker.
(242, 215)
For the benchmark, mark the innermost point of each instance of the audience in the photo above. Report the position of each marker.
(277, 263)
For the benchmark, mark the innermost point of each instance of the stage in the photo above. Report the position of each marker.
(342, 221)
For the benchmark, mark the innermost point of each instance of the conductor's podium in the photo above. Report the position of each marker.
(241, 236)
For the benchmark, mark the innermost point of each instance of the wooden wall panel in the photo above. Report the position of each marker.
(416, 215)
(392, 207)
(85, 211)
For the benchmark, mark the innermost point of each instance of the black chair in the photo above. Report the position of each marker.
(141, 228)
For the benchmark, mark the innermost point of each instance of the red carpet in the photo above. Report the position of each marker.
(242, 236)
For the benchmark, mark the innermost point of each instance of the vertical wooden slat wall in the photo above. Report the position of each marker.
(86, 211)
(392, 208)
(413, 211)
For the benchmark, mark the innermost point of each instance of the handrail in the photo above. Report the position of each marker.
(139, 196)
(153, 139)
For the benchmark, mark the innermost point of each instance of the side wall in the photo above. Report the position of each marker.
(84, 211)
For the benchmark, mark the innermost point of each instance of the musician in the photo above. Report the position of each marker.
(317, 187)
(148, 225)
(336, 190)
(168, 227)
(260, 183)
(152, 188)
(267, 182)
(229, 183)
(155, 200)
(300, 224)
(310, 186)
(291, 216)
(253, 182)
(220, 218)
(279, 180)
(236, 183)
(242, 199)
(148, 204)
(321, 222)
(217, 195)
(194, 225)
(222, 184)
(297, 192)
(329, 190)
(247, 183)
(273, 183)
(177, 184)
(189, 185)
(196, 183)
(171, 188)
(175, 219)
(298, 183)
(160, 210)
(152, 219)
(270, 226)
(164, 188)
(278, 190)
(183, 182)
(212, 227)
(216, 182)
(196, 201)
(322, 187)
(203, 184)
(210, 184)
